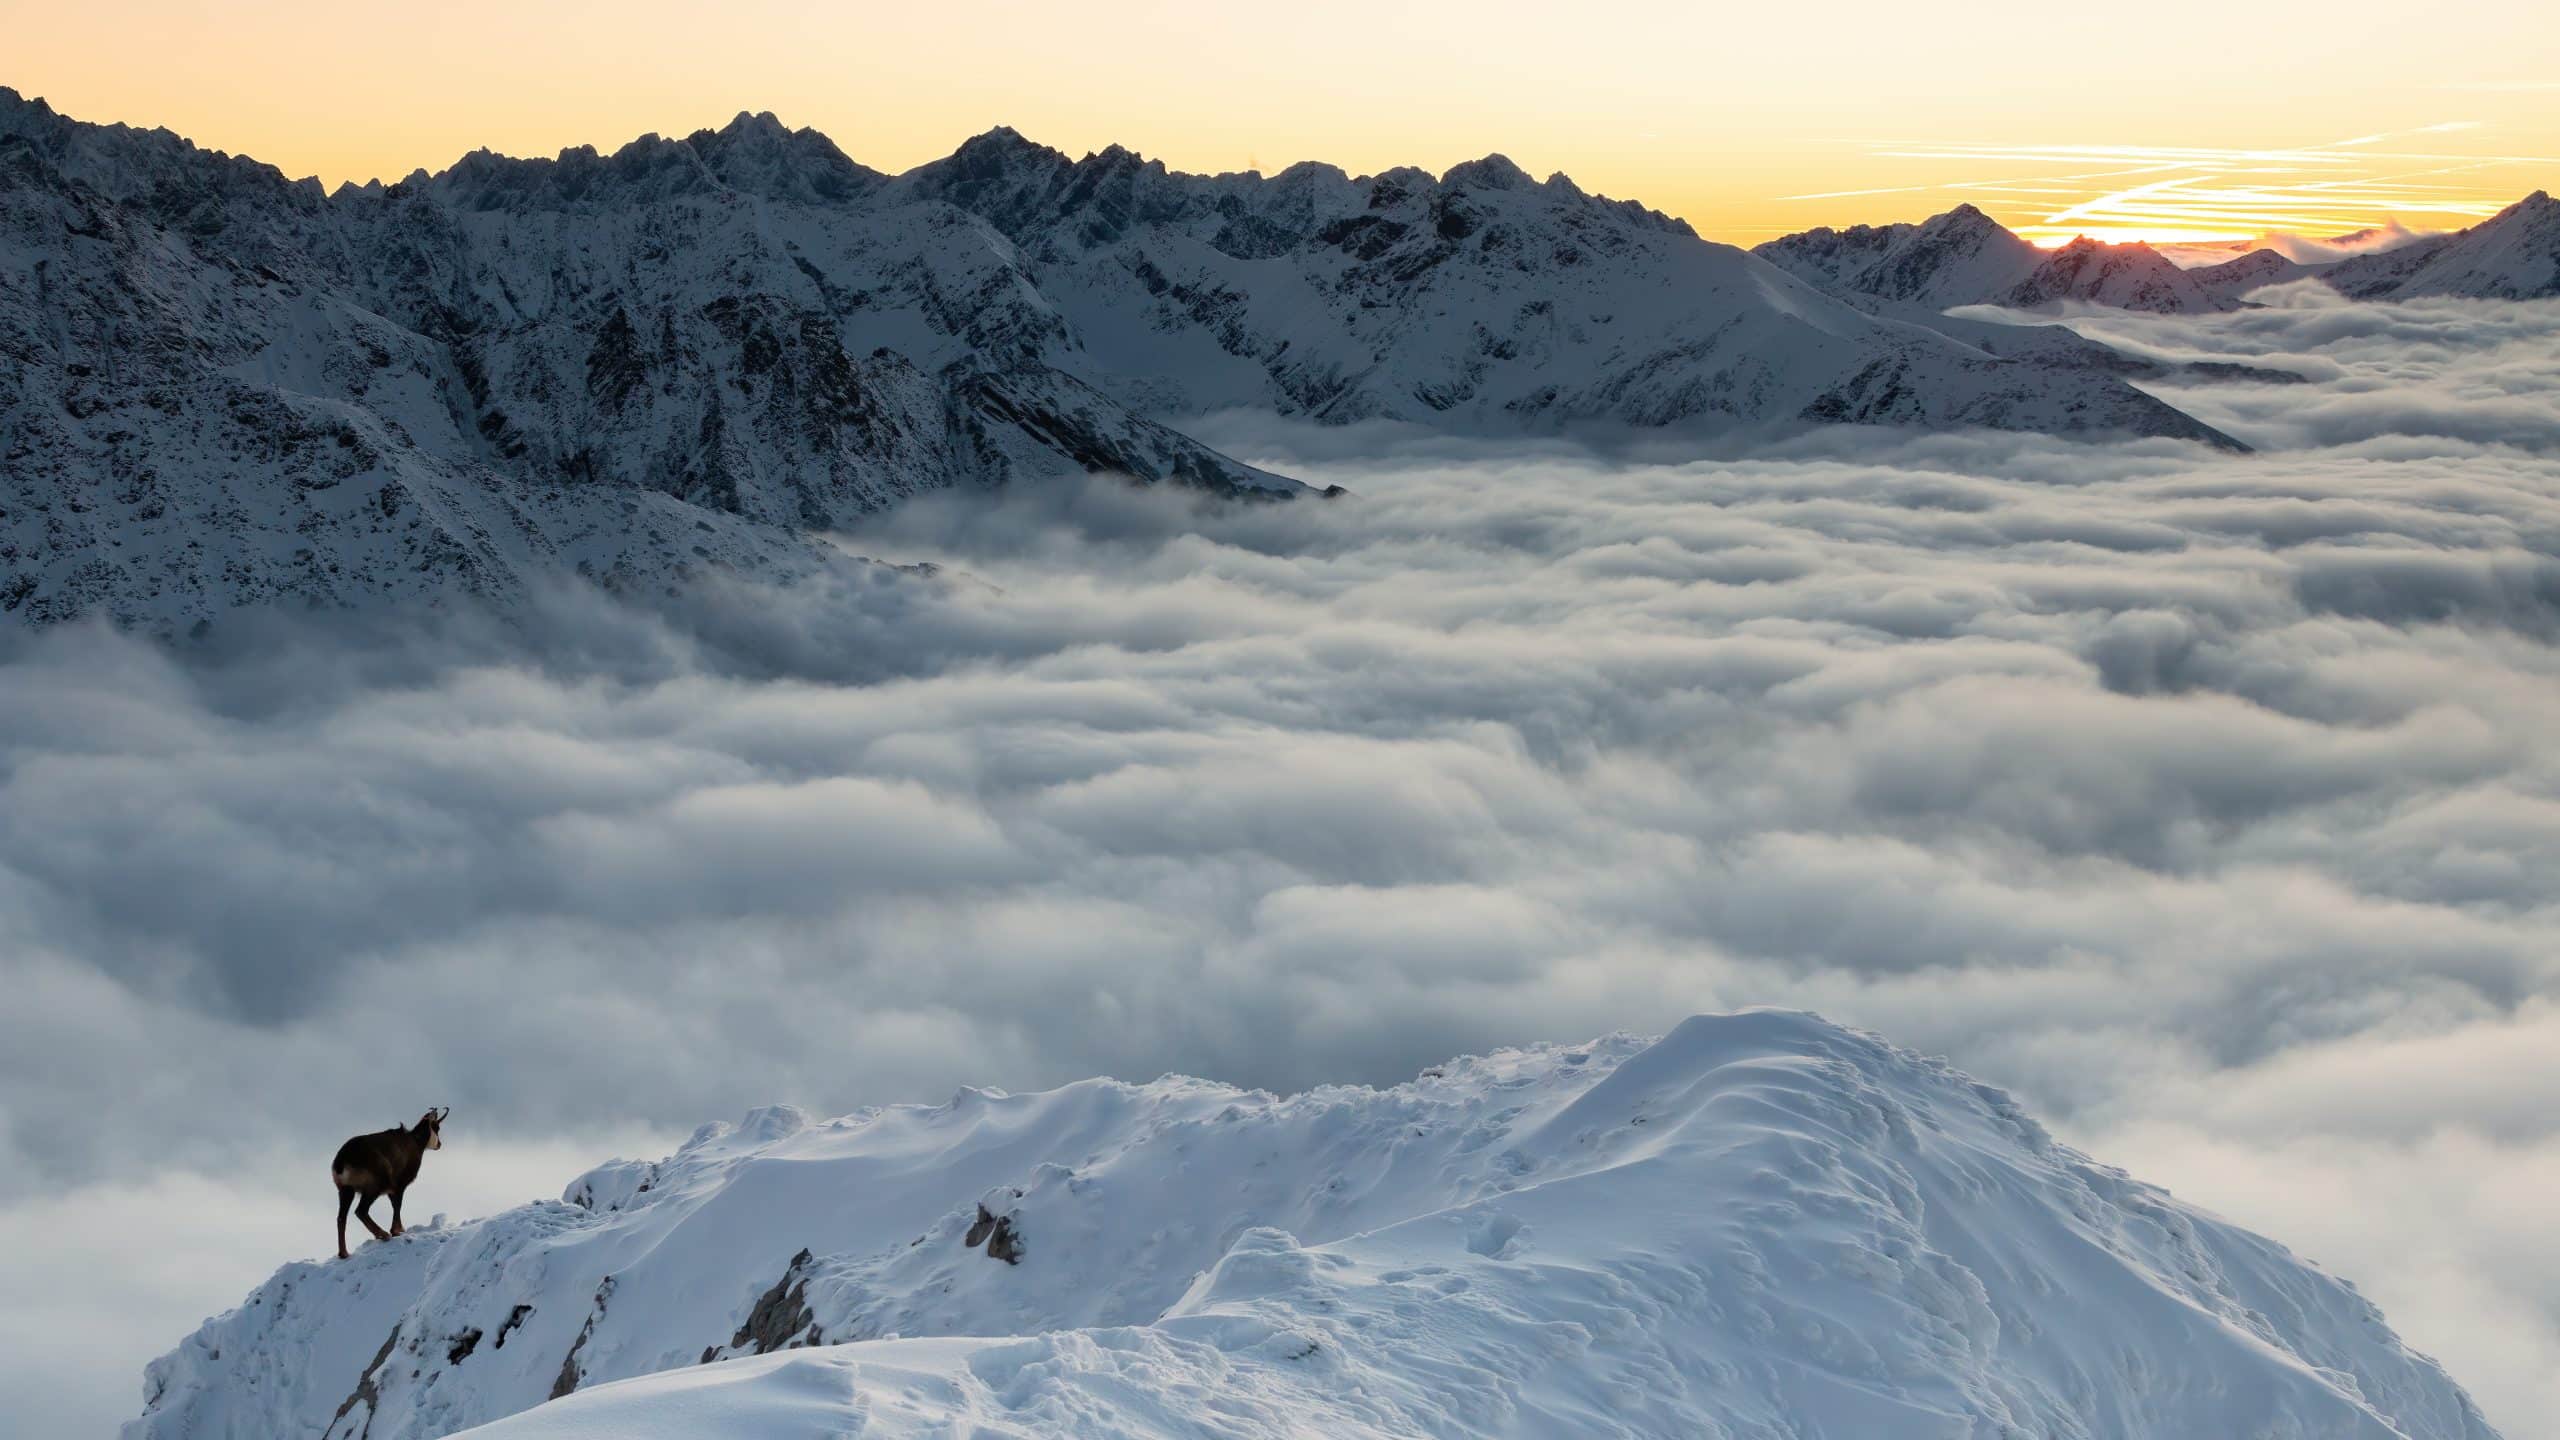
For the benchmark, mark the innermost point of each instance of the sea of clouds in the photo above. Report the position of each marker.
(2210, 802)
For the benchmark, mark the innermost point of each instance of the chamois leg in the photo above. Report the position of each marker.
(364, 1212)
(395, 1210)
(346, 1197)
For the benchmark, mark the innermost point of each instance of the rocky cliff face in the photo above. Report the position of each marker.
(223, 387)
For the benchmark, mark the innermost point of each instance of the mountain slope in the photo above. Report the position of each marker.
(1760, 1224)
(2513, 255)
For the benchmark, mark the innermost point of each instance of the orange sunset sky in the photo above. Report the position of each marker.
(2161, 120)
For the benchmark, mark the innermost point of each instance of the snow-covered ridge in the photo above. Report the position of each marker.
(1760, 1224)
(222, 387)
(1965, 257)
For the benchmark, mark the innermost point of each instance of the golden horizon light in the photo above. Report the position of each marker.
(2181, 121)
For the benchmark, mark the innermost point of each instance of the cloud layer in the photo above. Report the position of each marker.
(2212, 803)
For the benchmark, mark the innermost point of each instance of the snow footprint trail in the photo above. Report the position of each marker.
(1762, 1224)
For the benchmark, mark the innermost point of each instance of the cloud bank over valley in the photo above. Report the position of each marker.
(2210, 801)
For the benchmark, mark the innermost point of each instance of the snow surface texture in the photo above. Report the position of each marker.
(220, 387)
(1760, 1225)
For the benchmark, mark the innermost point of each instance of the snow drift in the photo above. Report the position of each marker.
(1762, 1224)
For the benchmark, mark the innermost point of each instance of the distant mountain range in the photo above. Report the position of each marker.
(1965, 257)
(222, 387)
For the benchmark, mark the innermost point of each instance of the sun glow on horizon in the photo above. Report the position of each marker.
(2054, 239)
(2206, 195)
(2286, 121)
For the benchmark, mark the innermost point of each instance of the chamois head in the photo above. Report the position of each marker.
(431, 1127)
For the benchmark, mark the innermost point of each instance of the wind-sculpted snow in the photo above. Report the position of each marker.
(1761, 1224)
(225, 389)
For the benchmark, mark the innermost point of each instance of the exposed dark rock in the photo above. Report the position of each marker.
(781, 1317)
(998, 1233)
(367, 1393)
(569, 1372)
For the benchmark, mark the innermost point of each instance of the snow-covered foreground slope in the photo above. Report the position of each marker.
(1760, 1225)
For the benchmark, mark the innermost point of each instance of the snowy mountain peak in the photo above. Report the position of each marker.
(754, 154)
(1966, 221)
(1959, 257)
(2232, 279)
(1493, 172)
(763, 123)
(1759, 1224)
(2126, 276)
(19, 113)
(999, 147)
(155, 169)
(759, 155)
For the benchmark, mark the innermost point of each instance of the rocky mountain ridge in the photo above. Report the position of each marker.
(224, 388)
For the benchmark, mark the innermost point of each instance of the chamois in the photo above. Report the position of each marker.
(383, 1163)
